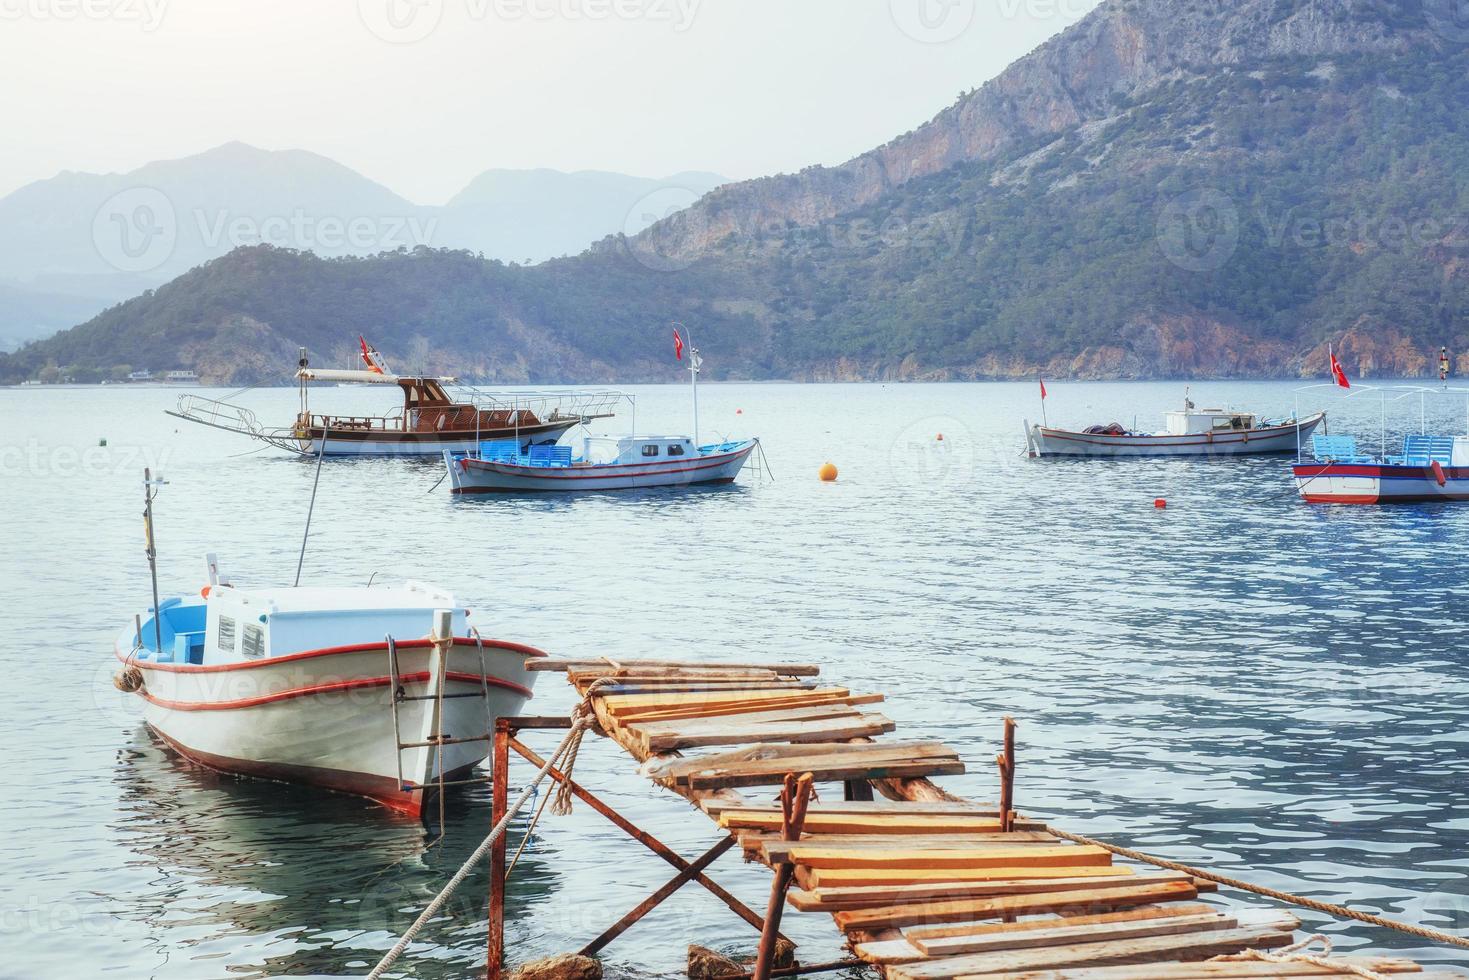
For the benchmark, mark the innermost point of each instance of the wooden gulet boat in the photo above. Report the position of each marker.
(1189, 432)
(429, 421)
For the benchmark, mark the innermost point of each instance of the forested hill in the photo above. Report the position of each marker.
(1170, 188)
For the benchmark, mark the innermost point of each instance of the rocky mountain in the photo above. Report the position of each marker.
(1169, 188)
(76, 243)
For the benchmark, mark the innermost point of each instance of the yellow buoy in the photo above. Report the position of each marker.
(828, 472)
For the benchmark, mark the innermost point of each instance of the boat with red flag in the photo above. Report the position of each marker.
(436, 414)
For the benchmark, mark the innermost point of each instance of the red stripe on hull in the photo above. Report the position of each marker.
(1346, 498)
(382, 789)
(337, 687)
(459, 641)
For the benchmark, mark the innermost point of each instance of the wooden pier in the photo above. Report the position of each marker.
(924, 885)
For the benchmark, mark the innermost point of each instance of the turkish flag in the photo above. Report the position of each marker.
(677, 345)
(1337, 374)
(1043, 389)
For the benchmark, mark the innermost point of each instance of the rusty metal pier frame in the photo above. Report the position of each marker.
(506, 742)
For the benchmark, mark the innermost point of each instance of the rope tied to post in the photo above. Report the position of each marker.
(582, 718)
(580, 722)
(1296, 954)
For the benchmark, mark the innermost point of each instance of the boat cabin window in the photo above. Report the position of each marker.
(253, 644)
(650, 450)
(226, 639)
(675, 450)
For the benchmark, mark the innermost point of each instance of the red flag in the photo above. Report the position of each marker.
(367, 353)
(1337, 374)
(677, 345)
(1043, 389)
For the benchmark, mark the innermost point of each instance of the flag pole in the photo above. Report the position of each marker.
(1044, 423)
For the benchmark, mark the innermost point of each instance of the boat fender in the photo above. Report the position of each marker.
(1438, 473)
(128, 681)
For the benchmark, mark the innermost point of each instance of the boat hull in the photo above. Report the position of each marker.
(1234, 442)
(473, 476)
(325, 717)
(1371, 483)
(389, 442)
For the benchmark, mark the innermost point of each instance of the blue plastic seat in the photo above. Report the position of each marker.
(499, 450)
(1341, 449)
(1425, 450)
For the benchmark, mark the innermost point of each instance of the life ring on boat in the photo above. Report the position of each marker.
(128, 680)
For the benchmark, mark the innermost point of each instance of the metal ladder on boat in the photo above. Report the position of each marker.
(433, 738)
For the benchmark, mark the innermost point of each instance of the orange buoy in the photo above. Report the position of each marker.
(828, 472)
(940, 437)
(739, 411)
(205, 591)
(1160, 503)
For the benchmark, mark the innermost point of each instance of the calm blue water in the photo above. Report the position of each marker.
(1242, 680)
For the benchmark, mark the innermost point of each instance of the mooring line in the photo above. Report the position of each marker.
(1340, 911)
(581, 723)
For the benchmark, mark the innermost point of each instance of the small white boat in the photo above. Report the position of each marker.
(381, 692)
(606, 463)
(1189, 432)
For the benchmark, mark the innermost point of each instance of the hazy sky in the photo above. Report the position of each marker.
(421, 95)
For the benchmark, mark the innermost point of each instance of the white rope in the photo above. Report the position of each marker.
(443, 896)
(1295, 954)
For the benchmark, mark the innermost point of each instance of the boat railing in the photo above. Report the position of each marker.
(220, 415)
(357, 422)
(548, 406)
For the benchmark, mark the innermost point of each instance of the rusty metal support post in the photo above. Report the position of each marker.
(1006, 762)
(794, 797)
(654, 900)
(641, 836)
(500, 803)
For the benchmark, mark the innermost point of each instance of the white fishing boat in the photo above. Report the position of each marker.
(606, 463)
(1332, 469)
(1190, 431)
(381, 692)
(386, 692)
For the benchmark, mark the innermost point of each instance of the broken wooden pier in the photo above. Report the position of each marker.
(924, 885)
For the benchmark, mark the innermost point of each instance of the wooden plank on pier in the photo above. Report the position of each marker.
(860, 897)
(1086, 932)
(775, 849)
(920, 935)
(1093, 900)
(767, 764)
(963, 807)
(911, 859)
(1231, 970)
(602, 663)
(856, 725)
(801, 699)
(1271, 929)
(886, 822)
(856, 877)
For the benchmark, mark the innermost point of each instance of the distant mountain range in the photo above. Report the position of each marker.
(1169, 188)
(76, 243)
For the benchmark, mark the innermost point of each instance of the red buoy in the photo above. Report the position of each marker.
(1160, 503)
(1438, 473)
